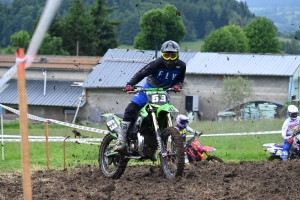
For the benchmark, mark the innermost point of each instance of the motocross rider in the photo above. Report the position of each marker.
(164, 72)
(289, 127)
(183, 128)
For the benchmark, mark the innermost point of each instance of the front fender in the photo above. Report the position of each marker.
(167, 108)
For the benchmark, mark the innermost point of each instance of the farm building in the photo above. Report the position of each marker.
(275, 80)
(53, 86)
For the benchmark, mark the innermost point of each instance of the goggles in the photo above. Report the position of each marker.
(184, 122)
(293, 115)
(169, 56)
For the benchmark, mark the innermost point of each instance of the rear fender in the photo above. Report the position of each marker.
(270, 145)
(209, 149)
(275, 150)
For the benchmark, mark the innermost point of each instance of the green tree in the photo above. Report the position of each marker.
(224, 19)
(262, 36)
(77, 26)
(220, 40)
(229, 38)
(213, 17)
(158, 26)
(9, 50)
(200, 24)
(235, 90)
(238, 33)
(209, 27)
(104, 31)
(290, 47)
(52, 46)
(20, 39)
(128, 30)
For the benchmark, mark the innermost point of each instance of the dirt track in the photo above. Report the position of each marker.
(244, 180)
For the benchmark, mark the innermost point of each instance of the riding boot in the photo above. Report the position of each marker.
(186, 160)
(121, 143)
(284, 155)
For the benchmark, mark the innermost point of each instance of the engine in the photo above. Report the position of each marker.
(145, 145)
(142, 140)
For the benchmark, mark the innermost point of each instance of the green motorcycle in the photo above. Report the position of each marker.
(151, 132)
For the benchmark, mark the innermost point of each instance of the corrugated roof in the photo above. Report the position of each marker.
(243, 64)
(119, 65)
(58, 93)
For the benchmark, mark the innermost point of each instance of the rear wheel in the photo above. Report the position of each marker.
(172, 164)
(214, 159)
(111, 166)
(274, 158)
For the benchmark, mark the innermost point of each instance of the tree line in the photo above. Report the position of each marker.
(90, 25)
(200, 17)
(98, 25)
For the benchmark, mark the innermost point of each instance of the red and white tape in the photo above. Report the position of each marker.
(33, 117)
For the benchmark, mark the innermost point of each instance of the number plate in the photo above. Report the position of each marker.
(158, 98)
(112, 124)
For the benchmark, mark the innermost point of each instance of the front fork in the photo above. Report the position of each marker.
(157, 130)
(200, 154)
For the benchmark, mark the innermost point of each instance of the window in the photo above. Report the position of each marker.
(69, 111)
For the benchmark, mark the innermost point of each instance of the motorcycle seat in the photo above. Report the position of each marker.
(279, 145)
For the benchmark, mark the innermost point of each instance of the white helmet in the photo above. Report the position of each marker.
(292, 111)
(181, 121)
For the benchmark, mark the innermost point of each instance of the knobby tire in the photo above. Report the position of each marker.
(113, 166)
(173, 164)
(214, 159)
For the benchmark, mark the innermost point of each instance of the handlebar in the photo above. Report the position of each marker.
(295, 134)
(194, 136)
(140, 89)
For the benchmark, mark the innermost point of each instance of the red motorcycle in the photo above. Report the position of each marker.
(195, 151)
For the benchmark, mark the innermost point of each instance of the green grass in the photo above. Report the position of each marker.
(192, 46)
(229, 148)
(237, 148)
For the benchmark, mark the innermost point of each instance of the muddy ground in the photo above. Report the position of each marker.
(244, 180)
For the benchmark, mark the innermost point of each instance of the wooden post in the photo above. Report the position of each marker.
(47, 145)
(25, 151)
(65, 152)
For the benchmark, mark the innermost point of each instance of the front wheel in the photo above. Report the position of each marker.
(214, 159)
(111, 166)
(172, 164)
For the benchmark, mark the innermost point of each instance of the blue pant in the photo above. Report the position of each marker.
(286, 147)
